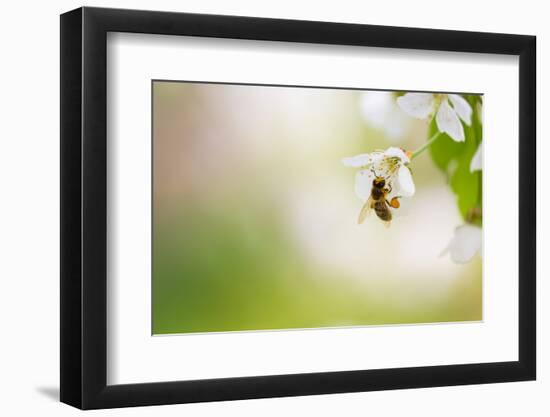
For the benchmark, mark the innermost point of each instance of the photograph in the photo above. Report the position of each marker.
(294, 207)
(270, 209)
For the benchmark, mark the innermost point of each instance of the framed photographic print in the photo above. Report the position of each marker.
(258, 208)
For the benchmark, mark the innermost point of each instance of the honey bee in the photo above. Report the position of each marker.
(379, 202)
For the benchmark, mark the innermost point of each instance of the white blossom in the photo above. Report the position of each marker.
(465, 243)
(390, 164)
(449, 109)
(476, 164)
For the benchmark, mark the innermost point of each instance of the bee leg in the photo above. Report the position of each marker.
(387, 224)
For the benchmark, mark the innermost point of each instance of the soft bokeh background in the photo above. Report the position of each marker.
(255, 217)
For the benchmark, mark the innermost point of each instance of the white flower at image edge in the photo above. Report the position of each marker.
(476, 164)
(447, 117)
(389, 164)
(465, 244)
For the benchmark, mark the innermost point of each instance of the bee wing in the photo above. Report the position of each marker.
(365, 211)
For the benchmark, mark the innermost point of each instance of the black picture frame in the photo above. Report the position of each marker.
(84, 207)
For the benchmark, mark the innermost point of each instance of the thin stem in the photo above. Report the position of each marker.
(426, 145)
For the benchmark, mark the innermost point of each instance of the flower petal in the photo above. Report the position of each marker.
(362, 160)
(419, 105)
(396, 152)
(462, 108)
(448, 122)
(405, 182)
(363, 184)
(465, 243)
(476, 164)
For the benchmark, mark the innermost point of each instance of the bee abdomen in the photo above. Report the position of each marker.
(382, 211)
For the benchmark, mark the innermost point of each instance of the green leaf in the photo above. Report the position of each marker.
(465, 184)
(445, 149)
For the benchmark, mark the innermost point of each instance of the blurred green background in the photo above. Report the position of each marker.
(255, 217)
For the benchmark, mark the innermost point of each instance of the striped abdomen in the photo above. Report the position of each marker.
(382, 211)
